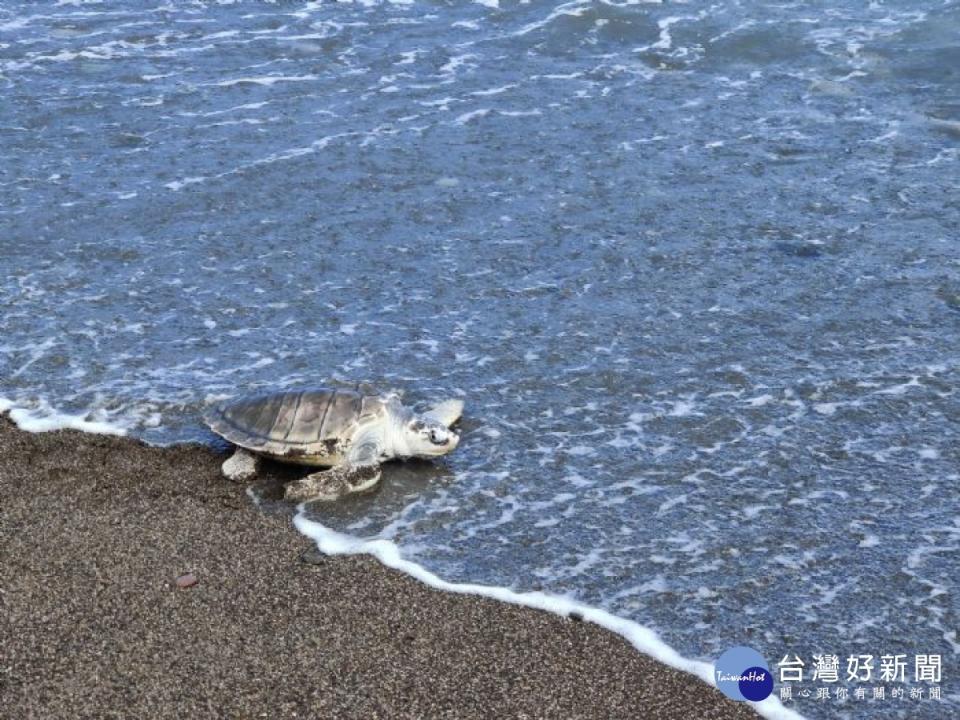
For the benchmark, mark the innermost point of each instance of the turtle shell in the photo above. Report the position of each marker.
(313, 427)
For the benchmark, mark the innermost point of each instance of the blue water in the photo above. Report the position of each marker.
(693, 267)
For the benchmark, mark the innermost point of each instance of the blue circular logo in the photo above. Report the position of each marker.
(741, 673)
(756, 683)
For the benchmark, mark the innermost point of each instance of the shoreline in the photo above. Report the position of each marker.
(97, 529)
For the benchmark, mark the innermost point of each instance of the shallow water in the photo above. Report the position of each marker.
(693, 268)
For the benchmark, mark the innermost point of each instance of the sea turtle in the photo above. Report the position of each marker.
(346, 431)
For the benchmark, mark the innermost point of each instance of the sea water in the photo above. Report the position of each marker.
(692, 266)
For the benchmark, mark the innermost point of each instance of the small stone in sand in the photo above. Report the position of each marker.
(312, 556)
(185, 581)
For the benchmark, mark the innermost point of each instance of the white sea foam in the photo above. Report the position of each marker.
(573, 9)
(468, 116)
(262, 80)
(642, 638)
(901, 388)
(44, 418)
(180, 184)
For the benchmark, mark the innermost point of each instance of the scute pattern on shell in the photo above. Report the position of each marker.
(298, 426)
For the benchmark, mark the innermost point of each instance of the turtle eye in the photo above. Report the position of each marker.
(438, 437)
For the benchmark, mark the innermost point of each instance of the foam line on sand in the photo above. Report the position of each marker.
(331, 542)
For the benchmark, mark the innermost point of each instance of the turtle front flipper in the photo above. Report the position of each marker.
(447, 412)
(333, 484)
(241, 466)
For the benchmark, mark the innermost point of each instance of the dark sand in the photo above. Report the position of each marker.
(94, 531)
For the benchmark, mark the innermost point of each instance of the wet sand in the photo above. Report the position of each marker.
(95, 530)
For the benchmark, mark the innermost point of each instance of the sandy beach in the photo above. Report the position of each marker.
(95, 530)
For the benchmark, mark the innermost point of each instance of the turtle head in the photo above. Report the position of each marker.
(426, 437)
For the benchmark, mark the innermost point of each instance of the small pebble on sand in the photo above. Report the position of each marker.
(185, 581)
(312, 556)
